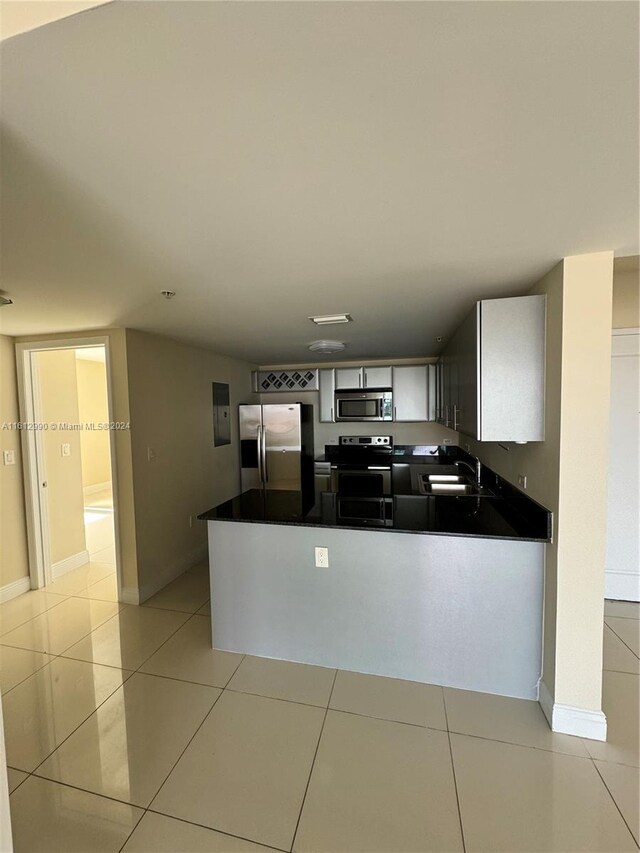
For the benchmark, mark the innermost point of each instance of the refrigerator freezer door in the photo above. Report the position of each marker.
(282, 442)
(250, 418)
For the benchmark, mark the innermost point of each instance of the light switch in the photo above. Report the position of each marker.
(66, 449)
(9, 457)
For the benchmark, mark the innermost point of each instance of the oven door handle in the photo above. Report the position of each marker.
(378, 467)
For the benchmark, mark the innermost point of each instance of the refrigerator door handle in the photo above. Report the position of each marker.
(265, 475)
(260, 478)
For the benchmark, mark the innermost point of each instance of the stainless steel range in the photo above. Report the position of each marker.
(361, 478)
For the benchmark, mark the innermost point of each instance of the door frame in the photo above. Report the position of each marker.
(29, 408)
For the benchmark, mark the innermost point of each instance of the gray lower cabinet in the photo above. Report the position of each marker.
(491, 372)
(327, 386)
(411, 393)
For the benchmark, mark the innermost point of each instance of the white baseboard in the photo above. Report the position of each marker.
(569, 720)
(129, 595)
(173, 570)
(96, 487)
(14, 589)
(69, 564)
(622, 586)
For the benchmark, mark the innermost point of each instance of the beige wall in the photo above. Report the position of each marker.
(626, 293)
(93, 409)
(120, 398)
(568, 472)
(171, 412)
(14, 561)
(58, 389)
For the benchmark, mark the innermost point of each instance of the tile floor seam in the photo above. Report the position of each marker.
(524, 745)
(22, 624)
(175, 764)
(453, 770)
(211, 829)
(186, 622)
(87, 791)
(275, 698)
(604, 782)
(95, 710)
(622, 640)
(313, 761)
(84, 637)
(144, 811)
(4, 693)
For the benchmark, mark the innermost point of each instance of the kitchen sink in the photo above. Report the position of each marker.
(454, 485)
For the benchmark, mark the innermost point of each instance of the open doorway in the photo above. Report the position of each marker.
(69, 470)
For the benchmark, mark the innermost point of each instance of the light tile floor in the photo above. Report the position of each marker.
(125, 731)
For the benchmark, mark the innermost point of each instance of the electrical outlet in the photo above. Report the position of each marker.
(467, 447)
(151, 454)
(9, 457)
(446, 441)
(65, 449)
(322, 558)
(522, 481)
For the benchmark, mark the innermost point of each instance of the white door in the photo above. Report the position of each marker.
(622, 578)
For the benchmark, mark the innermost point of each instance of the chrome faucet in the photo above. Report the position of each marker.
(477, 471)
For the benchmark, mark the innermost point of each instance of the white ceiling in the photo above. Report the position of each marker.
(270, 161)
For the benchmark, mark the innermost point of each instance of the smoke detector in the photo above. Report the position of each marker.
(326, 347)
(4, 300)
(168, 294)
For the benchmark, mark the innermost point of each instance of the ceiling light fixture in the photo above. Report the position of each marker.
(332, 319)
(326, 347)
(4, 300)
(168, 294)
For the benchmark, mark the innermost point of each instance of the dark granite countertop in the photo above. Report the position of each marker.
(500, 517)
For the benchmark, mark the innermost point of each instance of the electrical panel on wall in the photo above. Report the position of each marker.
(304, 379)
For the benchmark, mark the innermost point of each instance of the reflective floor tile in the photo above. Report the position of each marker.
(246, 770)
(51, 818)
(623, 784)
(187, 593)
(104, 590)
(15, 778)
(127, 748)
(42, 711)
(18, 664)
(628, 630)
(81, 578)
(157, 833)
(620, 703)
(389, 699)
(380, 786)
(513, 798)
(519, 721)
(188, 655)
(616, 655)
(129, 638)
(25, 607)
(626, 609)
(281, 679)
(58, 628)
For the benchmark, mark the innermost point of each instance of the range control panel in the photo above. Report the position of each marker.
(367, 440)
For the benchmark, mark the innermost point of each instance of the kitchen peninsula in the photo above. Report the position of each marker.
(449, 593)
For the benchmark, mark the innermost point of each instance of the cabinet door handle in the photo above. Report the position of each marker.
(331, 414)
(395, 413)
(456, 411)
(359, 380)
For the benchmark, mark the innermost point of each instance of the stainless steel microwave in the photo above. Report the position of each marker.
(364, 405)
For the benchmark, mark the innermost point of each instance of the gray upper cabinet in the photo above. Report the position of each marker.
(491, 372)
(411, 393)
(327, 386)
(348, 378)
(377, 377)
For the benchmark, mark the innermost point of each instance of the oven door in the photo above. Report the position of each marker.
(355, 406)
(365, 512)
(369, 481)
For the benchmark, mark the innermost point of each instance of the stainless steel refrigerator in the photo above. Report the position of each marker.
(276, 446)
